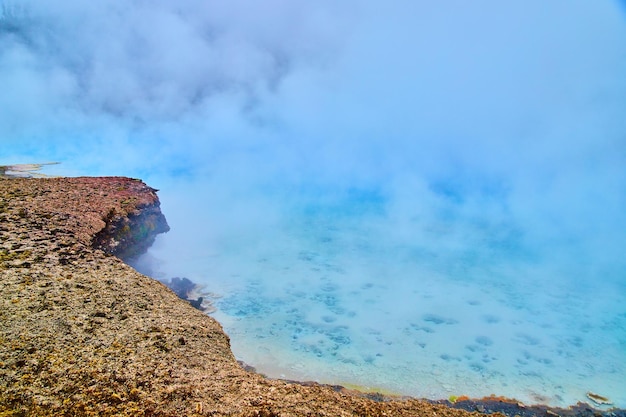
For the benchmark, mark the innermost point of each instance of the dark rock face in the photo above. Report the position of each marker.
(192, 293)
(181, 286)
(128, 236)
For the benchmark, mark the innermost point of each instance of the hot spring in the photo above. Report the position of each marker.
(415, 197)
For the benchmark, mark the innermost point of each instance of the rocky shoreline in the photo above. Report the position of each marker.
(82, 333)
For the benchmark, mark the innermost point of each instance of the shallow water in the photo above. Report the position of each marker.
(339, 293)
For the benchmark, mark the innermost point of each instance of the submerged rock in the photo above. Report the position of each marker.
(599, 399)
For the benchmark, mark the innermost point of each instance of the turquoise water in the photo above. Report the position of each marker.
(348, 290)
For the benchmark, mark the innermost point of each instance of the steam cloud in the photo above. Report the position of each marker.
(504, 118)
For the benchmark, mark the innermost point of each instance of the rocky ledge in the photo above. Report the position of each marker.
(82, 333)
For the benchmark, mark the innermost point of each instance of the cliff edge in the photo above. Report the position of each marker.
(82, 333)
